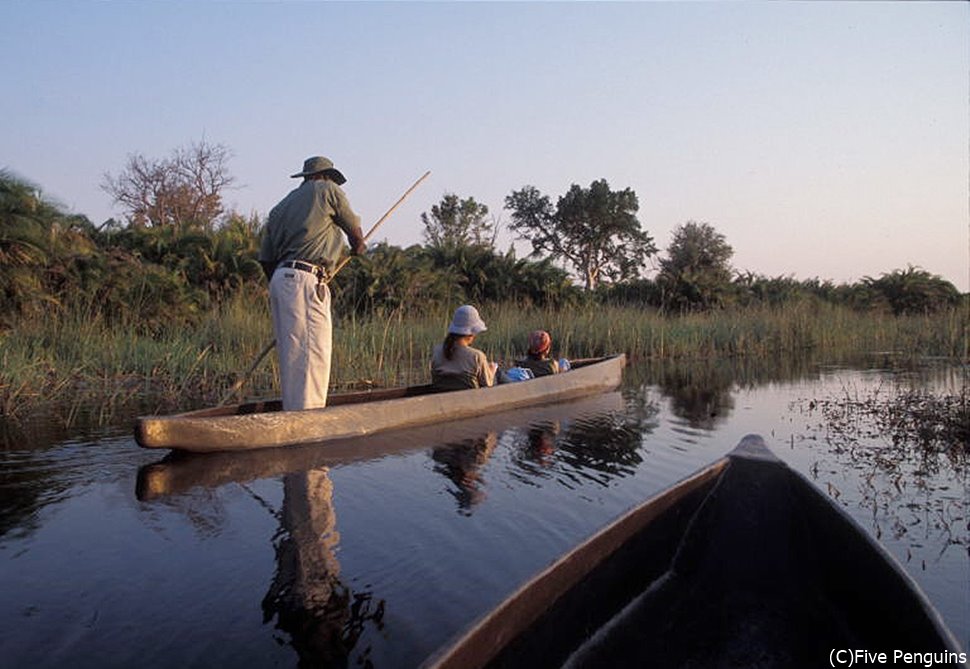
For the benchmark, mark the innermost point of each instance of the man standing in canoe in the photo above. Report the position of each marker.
(301, 246)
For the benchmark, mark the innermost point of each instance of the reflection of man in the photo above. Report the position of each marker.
(311, 602)
(302, 243)
(462, 464)
(308, 567)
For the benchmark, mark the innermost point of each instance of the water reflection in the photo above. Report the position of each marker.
(322, 616)
(702, 394)
(463, 465)
(575, 451)
(742, 372)
(29, 483)
(33, 479)
(601, 448)
(540, 447)
(30, 476)
(400, 565)
(909, 471)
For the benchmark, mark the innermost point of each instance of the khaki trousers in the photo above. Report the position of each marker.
(304, 337)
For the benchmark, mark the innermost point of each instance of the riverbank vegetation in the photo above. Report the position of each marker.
(80, 355)
(171, 311)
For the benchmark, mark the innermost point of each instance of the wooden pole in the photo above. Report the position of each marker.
(383, 218)
(245, 375)
(272, 342)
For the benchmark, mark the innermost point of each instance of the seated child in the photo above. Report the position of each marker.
(455, 364)
(537, 359)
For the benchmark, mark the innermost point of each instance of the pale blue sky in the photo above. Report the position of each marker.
(823, 139)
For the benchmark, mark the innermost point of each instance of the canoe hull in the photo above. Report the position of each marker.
(179, 472)
(743, 564)
(362, 414)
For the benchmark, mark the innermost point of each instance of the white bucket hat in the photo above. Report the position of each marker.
(466, 321)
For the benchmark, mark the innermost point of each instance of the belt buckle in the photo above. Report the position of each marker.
(316, 270)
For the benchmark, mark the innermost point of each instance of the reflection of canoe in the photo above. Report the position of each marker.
(179, 472)
(744, 563)
(263, 424)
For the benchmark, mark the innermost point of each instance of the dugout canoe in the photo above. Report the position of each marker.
(743, 564)
(177, 472)
(264, 425)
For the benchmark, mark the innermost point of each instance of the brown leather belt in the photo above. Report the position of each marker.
(321, 273)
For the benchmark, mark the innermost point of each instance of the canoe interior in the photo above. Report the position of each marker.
(273, 405)
(751, 567)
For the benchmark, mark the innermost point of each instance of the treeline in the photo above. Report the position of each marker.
(899, 292)
(177, 255)
(154, 276)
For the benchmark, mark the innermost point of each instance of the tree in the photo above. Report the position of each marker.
(43, 249)
(696, 271)
(182, 191)
(913, 291)
(456, 223)
(751, 288)
(389, 279)
(595, 230)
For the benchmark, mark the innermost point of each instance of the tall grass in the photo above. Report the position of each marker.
(78, 355)
(825, 329)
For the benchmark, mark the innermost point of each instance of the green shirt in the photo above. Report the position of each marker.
(309, 224)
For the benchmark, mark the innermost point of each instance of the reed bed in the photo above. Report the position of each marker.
(80, 356)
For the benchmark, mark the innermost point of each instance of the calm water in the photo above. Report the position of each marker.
(378, 551)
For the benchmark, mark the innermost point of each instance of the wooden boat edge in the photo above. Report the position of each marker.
(178, 472)
(196, 432)
(479, 644)
(752, 447)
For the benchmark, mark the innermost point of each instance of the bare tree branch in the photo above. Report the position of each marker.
(183, 190)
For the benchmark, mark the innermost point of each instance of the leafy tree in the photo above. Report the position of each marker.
(534, 282)
(143, 296)
(595, 230)
(637, 292)
(217, 261)
(486, 276)
(235, 252)
(181, 191)
(751, 288)
(389, 278)
(455, 223)
(913, 291)
(42, 248)
(696, 272)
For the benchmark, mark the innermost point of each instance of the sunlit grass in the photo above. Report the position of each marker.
(77, 354)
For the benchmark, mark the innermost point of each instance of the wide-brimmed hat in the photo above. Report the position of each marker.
(466, 321)
(318, 164)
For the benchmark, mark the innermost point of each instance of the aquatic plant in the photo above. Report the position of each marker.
(84, 355)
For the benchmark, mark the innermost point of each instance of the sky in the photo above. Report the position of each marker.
(822, 139)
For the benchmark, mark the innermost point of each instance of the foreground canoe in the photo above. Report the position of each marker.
(743, 564)
(265, 425)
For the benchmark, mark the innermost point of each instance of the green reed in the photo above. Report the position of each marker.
(78, 353)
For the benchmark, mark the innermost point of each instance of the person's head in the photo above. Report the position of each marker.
(318, 167)
(465, 324)
(540, 343)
